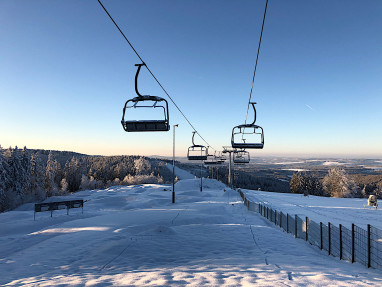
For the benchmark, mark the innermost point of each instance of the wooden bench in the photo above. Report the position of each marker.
(50, 206)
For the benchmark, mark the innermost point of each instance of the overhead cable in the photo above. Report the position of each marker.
(257, 58)
(135, 51)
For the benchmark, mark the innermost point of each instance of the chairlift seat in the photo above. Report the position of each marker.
(195, 149)
(245, 145)
(146, 102)
(145, 126)
(248, 145)
(243, 130)
(241, 157)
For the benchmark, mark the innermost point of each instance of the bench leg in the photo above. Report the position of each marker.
(34, 216)
(51, 213)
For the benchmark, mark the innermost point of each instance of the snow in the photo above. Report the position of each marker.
(135, 236)
(330, 163)
(343, 211)
(181, 173)
(289, 162)
(296, 169)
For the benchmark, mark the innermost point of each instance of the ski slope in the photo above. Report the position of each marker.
(135, 236)
(181, 173)
(343, 211)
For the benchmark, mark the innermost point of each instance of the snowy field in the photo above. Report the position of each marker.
(325, 209)
(134, 236)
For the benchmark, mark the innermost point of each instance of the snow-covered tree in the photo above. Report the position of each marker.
(51, 187)
(338, 184)
(142, 166)
(37, 177)
(26, 174)
(64, 186)
(16, 172)
(73, 174)
(5, 182)
(306, 183)
(84, 182)
(58, 173)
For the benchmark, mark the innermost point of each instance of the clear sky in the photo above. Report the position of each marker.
(66, 72)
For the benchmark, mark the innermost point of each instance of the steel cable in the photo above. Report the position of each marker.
(257, 58)
(135, 51)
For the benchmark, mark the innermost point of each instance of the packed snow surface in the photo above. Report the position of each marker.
(343, 211)
(181, 173)
(135, 236)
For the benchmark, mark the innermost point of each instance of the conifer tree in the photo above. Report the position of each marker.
(37, 177)
(4, 181)
(50, 185)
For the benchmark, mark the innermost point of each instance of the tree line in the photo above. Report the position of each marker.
(33, 175)
(337, 183)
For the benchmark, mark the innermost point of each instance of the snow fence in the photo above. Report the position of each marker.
(355, 244)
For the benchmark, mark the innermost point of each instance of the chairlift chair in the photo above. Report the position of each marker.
(197, 152)
(241, 157)
(222, 157)
(145, 102)
(212, 159)
(247, 129)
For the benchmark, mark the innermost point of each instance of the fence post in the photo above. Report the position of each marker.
(306, 228)
(287, 222)
(295, 225)
(340, 241)
(321, 236)
(352, 243)
(368, 246)
(275, 217)
(329, 238)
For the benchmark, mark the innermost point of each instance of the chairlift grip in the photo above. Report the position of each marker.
(136, 78)
(193, 135)
(254, 110)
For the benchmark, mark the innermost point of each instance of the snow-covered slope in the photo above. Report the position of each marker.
(135, 236)
(181, 173)
(343, 211)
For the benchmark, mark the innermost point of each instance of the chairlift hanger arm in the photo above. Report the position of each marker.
(151, 73)
(136, 78)
(254, 110)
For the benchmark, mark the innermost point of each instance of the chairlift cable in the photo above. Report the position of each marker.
(257, 58)
(135, 51)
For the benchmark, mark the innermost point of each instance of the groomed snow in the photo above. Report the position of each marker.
(135, 236)
(343, 211)
(181, 173)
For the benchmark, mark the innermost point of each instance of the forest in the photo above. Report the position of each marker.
(28, 175)
(33, 175)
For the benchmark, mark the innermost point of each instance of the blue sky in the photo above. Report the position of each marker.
(66, 73)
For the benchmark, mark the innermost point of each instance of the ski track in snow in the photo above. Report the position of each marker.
(135, 236)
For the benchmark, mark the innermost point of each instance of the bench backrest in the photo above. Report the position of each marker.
(48, 206)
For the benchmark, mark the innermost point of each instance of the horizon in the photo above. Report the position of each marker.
(67, 73)
(301, 156)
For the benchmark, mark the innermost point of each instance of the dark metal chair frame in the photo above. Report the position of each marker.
(241, 157)
(197, 148)
(145, 125)
(248, 129)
